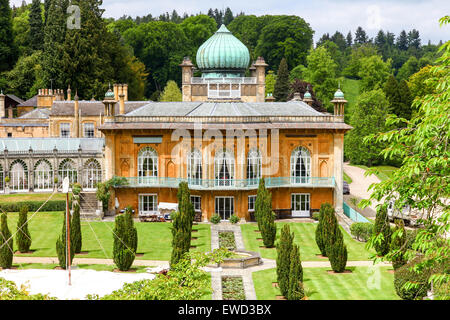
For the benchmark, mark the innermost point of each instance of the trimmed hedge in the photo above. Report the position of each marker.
(362, 231)
(403, 275)
(51, 205)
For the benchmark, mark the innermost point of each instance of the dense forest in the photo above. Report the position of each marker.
(379, 75)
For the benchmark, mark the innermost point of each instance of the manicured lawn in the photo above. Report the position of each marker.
(305, 238)
(363, 283)
(30, 197)
(154, 239)
(383, 172)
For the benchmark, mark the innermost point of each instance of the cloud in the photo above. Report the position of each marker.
(324, 16)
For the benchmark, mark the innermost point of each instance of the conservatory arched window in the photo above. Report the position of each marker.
(147, 165)
(92, 174)
(224, 169)
(67, 168)
(300, 165)
(254, 166)
(194, 167)
(19, 176)
(43, 175)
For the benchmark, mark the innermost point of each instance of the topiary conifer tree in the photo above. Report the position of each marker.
(61, 249)
(295, 291)
(259, 202)
(182, 224)
(382, 230)
(75, 228)
(399, 245)
(337, 253)
(284, 248)
(6, 243)
(319, 230)
(23, 236)
(125, 240)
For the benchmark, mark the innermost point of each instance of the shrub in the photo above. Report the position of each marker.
(234, 219)
(382, 228)
(284, 248)
(51, 205)
(9, 291)
(337, 253)
(103, 192)
(125, 240)
(410, 238)
(327, 229)
(6, 243)
(75, 228)
(319, 240)
(215, 219)
(7, 179)
(76, 188)
(295, 291)
(316, 216)
(269, 229)
(398, 245)
(261, 202)
(362, 231)
(23, 236)
(404, 277)
(61, 246)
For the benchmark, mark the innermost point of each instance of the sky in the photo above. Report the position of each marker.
(324, 16)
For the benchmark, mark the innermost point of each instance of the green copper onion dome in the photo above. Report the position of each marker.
(339, 94)
(109, 94)
(223, 55)
(307, 95)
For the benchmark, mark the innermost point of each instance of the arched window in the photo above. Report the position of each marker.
(254, 166)
(147, 165)
(67, 168)
(43, 175)
(224, 169)
(92, 174)
(19, 176)
(300, 165)
(194, 167)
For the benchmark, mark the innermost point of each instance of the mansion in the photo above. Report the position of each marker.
(222, 139)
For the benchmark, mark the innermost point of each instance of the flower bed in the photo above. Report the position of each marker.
(226, 240)
(233, 288)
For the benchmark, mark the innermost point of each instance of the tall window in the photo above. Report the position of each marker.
(224, 207)
(88, 129)
(147, 165)
(64, 130)
(92, 174)
(43, 175)
(300, 166)
(67, 168)
(19, 176)
(148, 204)
(251, 203)
(2, 179)
(254, 166)
(197, 203)
(224, 169)
(194, 167)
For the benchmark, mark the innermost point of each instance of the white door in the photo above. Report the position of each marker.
(300, 204)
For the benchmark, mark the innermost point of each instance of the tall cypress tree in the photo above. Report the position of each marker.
(8, 50)
(296, 291)
(281, 89)
(382, 227)
(36, 26)
(54, 35)
(6, 243)
(23, 235)
(284, 248)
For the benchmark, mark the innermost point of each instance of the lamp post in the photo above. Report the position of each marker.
(66, 191)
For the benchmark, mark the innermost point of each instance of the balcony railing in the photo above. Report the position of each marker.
(228, 184)
(237, 80)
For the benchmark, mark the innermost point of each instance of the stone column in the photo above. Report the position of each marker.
(338, 171)
(109, 155)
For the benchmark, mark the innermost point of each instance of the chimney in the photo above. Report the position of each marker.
(125, 91)
(2, 105)
(10, 112)
(296, 97)
(76, 114)
(116, 91)
(121, 103)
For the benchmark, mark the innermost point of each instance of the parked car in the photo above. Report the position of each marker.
(406, 214)
(346, 189)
